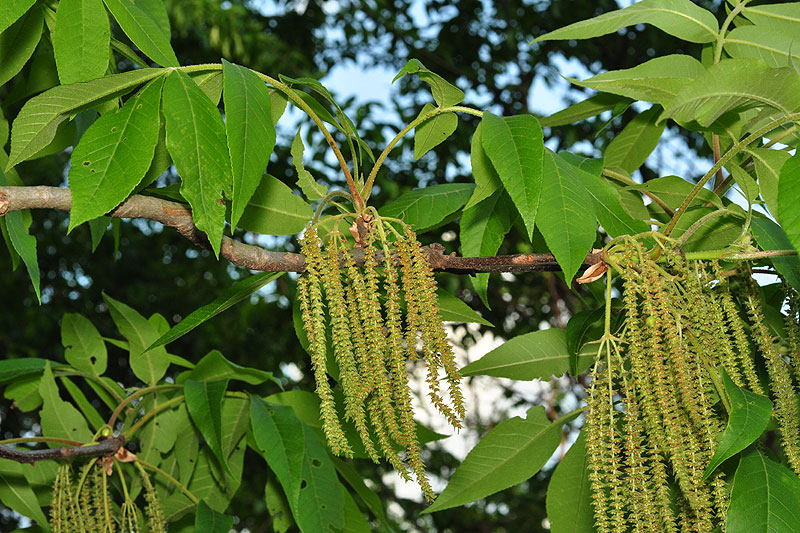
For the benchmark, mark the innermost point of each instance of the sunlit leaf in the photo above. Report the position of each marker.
(24, 243)
(310, 187)
(207, 520)
(15, 491)
(426, 208)
(452, 309)
(486, 179)
(576, 331)
(768, 164)
(214, 367)
(788, 194)
(631, 147)
(433, 131)
(10, 369)
(515, 147)
(681, 18)
(444, 93)
(81, 40)
(147, 34)
(275, 210)
(113, 155)
(196, 142)
(778, 18)
(250, 133)
(204, 401)
(772, 47)
(60, 419)
(12, 10)
(770, 236)
(17, 44)
(591, 107)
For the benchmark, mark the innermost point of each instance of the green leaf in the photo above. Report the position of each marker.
(204, 401)
(591, 107)
(60, 419)
(452, 309)
(196, 142)
(84, 346)
(569, 495)
(577, 329)
(150, 37)
(81, 40)
(38, 120)
(536, 355)
(433, 131)
(24, 243)
(747, 184)
(770, 236)
(275, 210)
(17, 44)
(658, 80)
(636, 141)
(768, 164)
(788, 193)
(748, 418)
(235, 294)
(680, 18)
(566, 218)
(278, 508)
(149, 365)
(778, 18)
(85, 406)
(515, 147)
(251, 135)
(764, 496)
(424, 209)
(512, 451)
(772, 47)
(12, 10)
(114, 155)
(715, 234)
(210, 82)
(486, 179)
(444, 93)
(310, 187)
(735, 85)
(321, 499)
(370, 498)
(15, 491)
(214, 366)
(279, 435)
(10, 369)
(672, 190)
(482, 229)
(207, 520)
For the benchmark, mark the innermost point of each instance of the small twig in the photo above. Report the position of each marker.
(103, 448)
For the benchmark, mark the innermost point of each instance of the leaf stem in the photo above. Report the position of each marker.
(724, 28)
(628, 181)
(367, 189)
(137, 394)
(150, 414)
(144, 464)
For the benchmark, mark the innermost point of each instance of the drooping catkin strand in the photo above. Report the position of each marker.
(780, 381)
(741, 342)
(597, 447)
(153, 512)
(62, 503)
(312, 308)
(793, 329)
(355, 393)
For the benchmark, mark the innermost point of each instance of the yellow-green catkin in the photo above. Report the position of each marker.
(780, 380)
(62, 504)
(312, 308)
(155, 516)
(129, 517)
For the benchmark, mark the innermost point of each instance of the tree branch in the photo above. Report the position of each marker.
(179, 217)
(103, 448)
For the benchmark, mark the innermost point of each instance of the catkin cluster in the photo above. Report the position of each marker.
(85, 504)
(370, 342)
(654, 416)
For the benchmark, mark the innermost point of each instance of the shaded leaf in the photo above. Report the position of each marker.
(113, 155)
(370, 498)
(10, 369)
(250, 133)
(204, 401)
(453, 309)
(764, 496)
(81, 40)
(207, 520)
(24, 243)
(672, 190)
(444, 93)
(511, 452)
(424, 209)
(631, 147)
(536, 355)
(768, 164)
(149, 365)
(321, 499)
(788, 193)
(235, 294)
(60, 419)
(486, 179)
(577, 328)
(275, 210)
(15, 491)
(433, 131)
(515, 147)
(770, 236)
(37, 122)
(84, 346)
(214, 366)
(569, 495)
(772, 47)
(680, 18)
(566, 218)
(778, 18)
(196, 142)
(310, 187)
(747, 184)
(748, 418)
(147, 34)
(591, 107)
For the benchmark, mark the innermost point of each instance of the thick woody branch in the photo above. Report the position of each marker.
(179, 217)
(105, 448)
